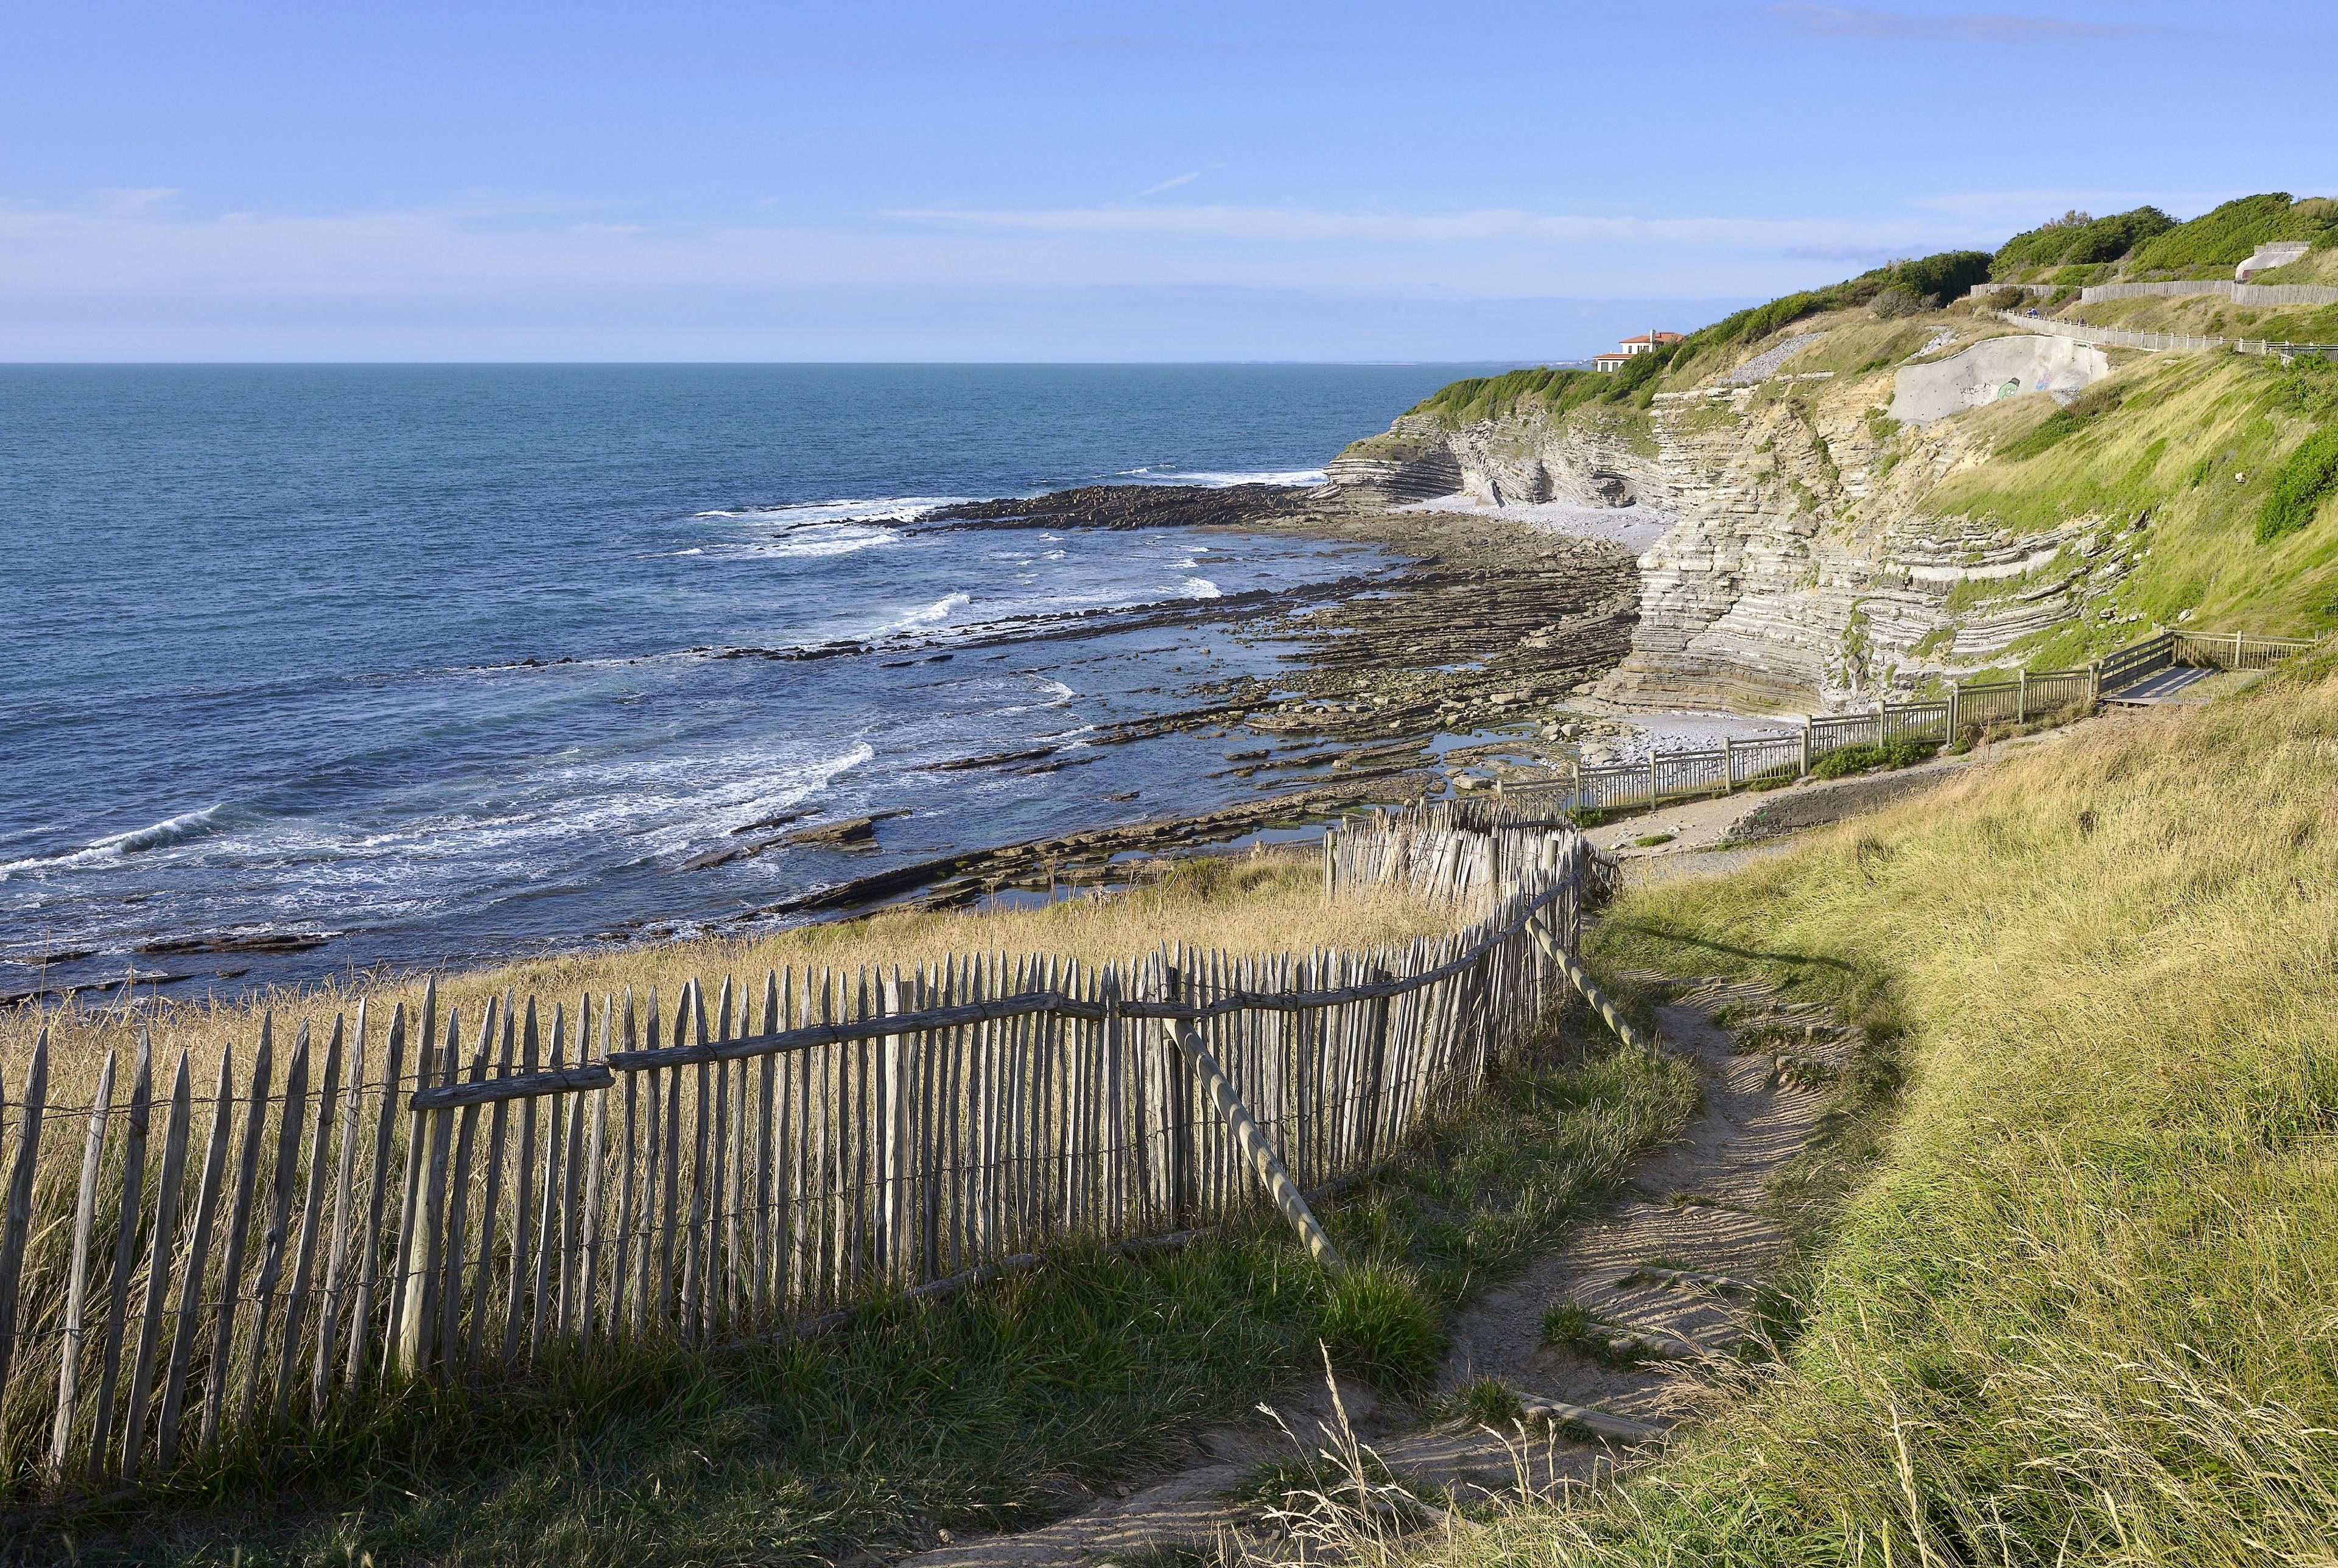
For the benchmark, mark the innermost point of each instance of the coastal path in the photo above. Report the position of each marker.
(1606, 1343)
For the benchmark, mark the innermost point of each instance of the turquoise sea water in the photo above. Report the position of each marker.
(444, 663)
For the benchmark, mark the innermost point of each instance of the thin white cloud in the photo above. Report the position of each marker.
(1953, 28)
(1300, 225)
(1171, 183)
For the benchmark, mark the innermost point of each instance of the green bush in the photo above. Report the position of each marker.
(1849, 759)
(1381, 1326)
(2299, 486)
(2228, 234)
(1947, 273)
(2078, 239)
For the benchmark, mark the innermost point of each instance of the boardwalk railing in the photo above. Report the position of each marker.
(1969, 705)
(437, 1196)
(2124, 338)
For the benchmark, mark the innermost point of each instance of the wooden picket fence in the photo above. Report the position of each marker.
(463, 1199)
(1765, 759)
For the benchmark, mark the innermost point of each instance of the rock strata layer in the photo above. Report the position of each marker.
(1812, 568)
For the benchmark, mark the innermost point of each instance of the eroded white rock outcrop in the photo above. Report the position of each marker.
(1808, 570)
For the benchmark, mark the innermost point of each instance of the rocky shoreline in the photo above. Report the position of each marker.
(1466, 663)
(1469, 658)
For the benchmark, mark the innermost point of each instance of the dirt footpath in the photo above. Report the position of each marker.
(1660, 1287)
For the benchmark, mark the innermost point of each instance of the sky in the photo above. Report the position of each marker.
(1036, 181)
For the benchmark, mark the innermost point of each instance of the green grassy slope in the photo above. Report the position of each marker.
(2199, 446)
(2084, 1306)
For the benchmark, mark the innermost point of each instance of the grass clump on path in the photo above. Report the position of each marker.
(2081, 1304)
(1000, 1408)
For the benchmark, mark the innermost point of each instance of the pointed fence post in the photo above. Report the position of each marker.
(1253, 1143)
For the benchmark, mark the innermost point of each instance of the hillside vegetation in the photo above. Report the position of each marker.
(2224, 459)
(1922, 283)
(2084, 1306)
(2146, 243)
(2211, 476)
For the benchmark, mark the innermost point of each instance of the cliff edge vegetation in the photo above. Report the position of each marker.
(1832, 539)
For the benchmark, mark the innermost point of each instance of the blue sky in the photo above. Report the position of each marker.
(1488, 181)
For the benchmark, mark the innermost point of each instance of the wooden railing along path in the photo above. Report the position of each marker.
(1765, 759)
(185, 1266)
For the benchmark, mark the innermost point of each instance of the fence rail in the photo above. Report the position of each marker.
(1969, 706)
(461, 1199)
(2122, 338)
(2225, 288)
(2114, 336)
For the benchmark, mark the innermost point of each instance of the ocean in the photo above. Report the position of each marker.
(444, 664)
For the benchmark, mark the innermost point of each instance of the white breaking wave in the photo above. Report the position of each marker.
(1214, 479)
(1199, 588)
(880, 509)
(939, 610)
(816, 539)
(170, 831)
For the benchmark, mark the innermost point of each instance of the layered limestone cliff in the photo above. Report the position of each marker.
(1805, 572)
(1595, 458)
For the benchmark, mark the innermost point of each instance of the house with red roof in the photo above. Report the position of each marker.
(1646, 343)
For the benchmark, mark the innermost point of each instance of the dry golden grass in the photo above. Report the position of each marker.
(1265, 903)
(2085, 1307)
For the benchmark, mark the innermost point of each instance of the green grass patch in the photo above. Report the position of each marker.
(1650, 840)
(1481, 1402)
(1572, 1328)
(1846, 761)
(1274, 1483)
(1381, 1325)
(2307, 477)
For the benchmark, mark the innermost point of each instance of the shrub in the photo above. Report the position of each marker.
(1849, 759)
(2227, 234)
(1893, 303)
(1381, 1326)
(2308, 387)
(2310, 474)
(1946, 273)
(2077, 239)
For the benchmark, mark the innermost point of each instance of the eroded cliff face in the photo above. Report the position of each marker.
(1805, 572)
(1591, 457)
